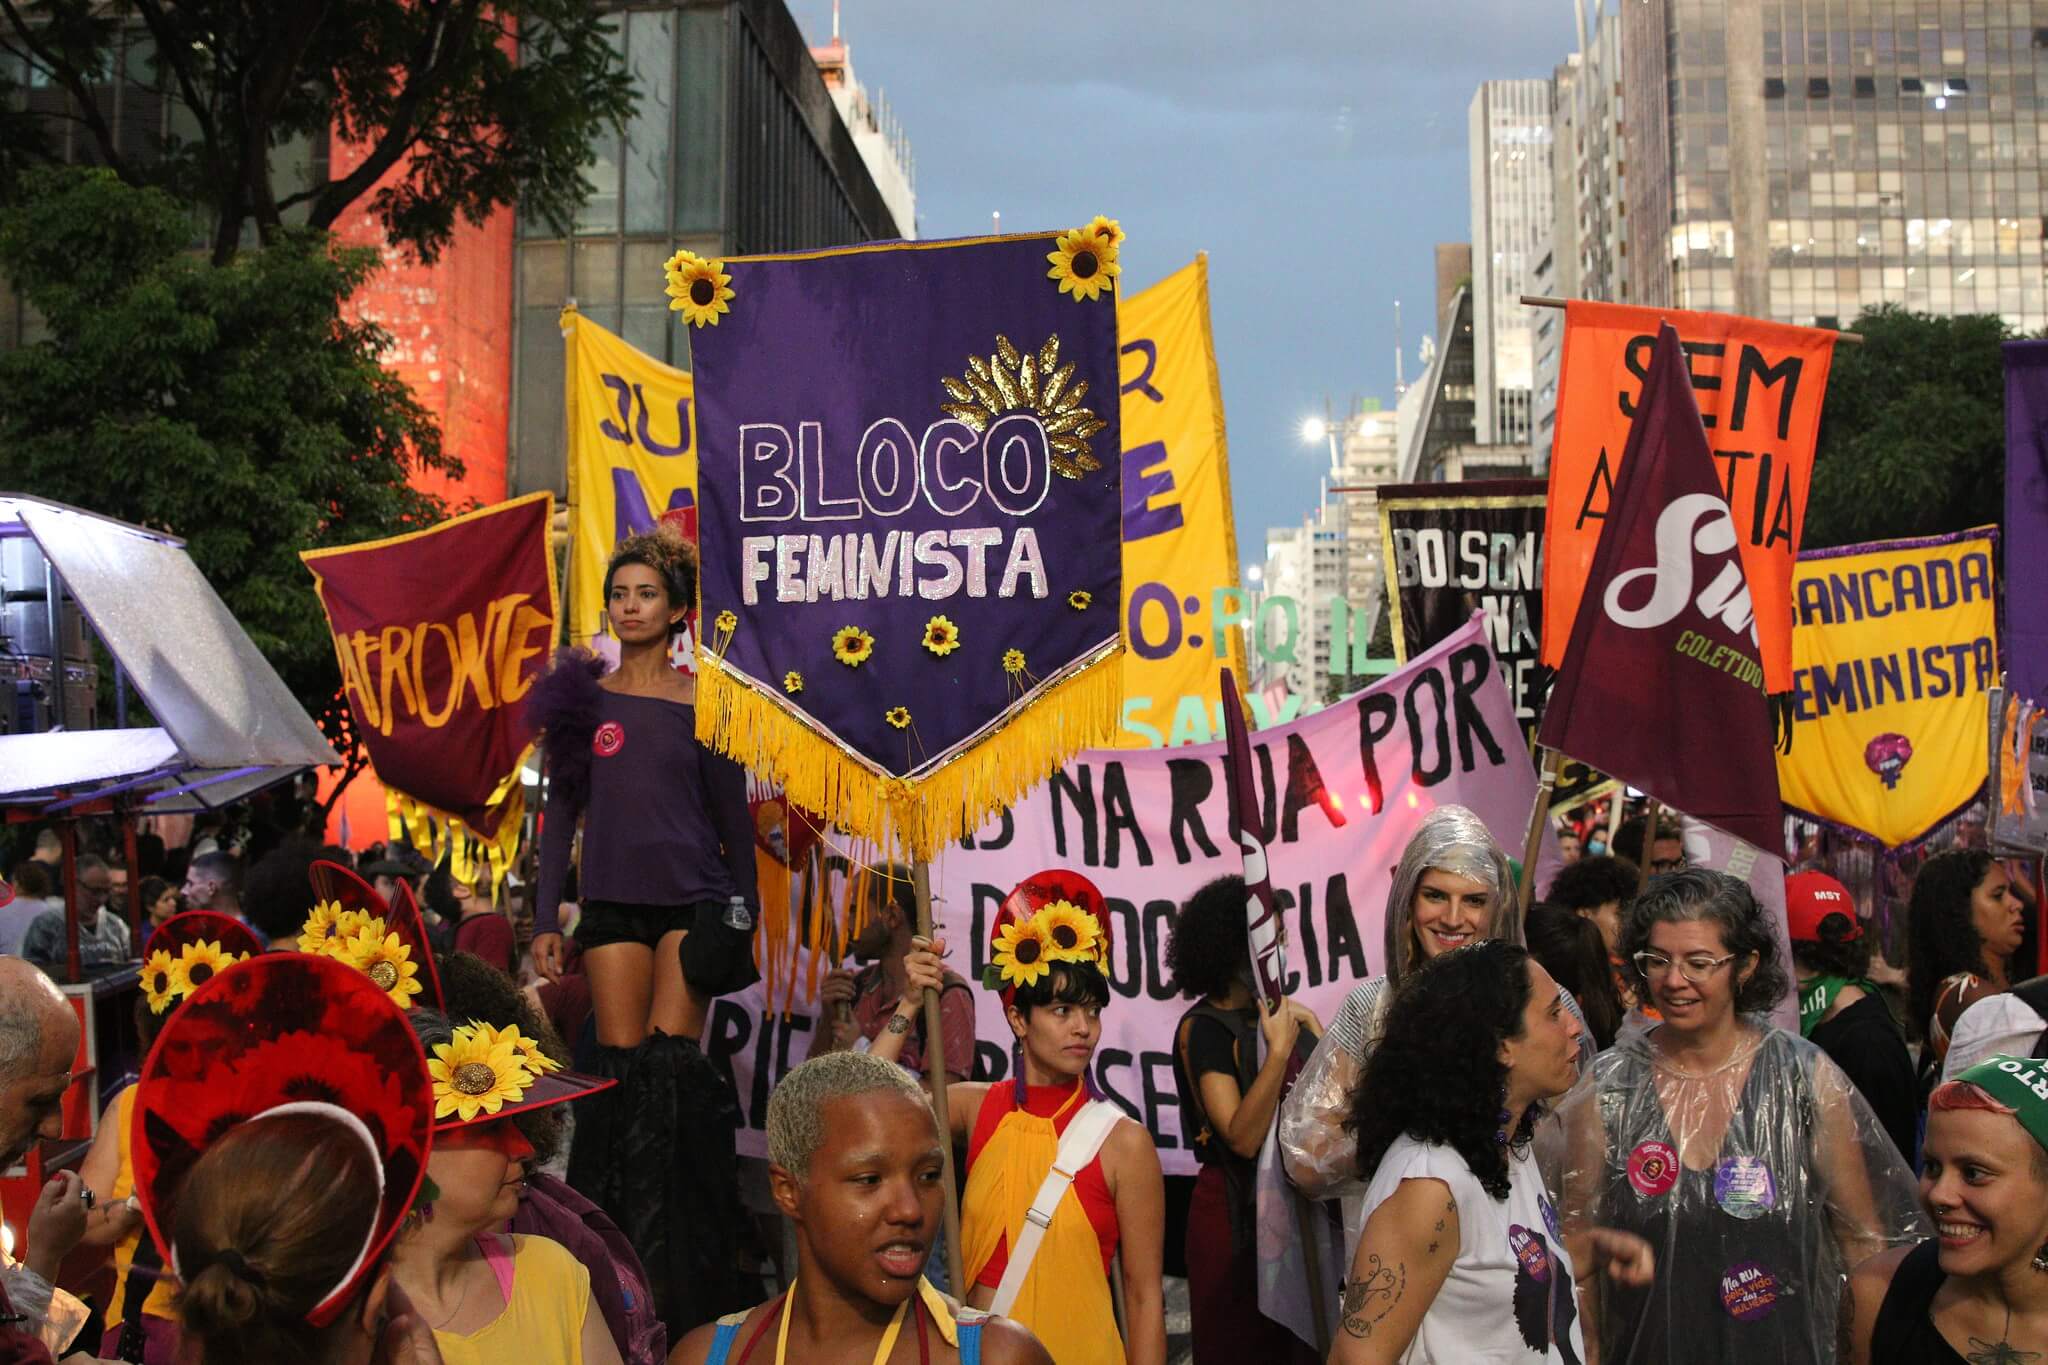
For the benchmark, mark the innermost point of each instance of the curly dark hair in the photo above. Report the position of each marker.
(1068, 983)
(475, 990)
(1590, 883)
(1208, 950)
(1835, 953)
(1941, 927)
(1436, 1075)
(277, 895)
(1695, 893)
(1570, 948)
(673, 559)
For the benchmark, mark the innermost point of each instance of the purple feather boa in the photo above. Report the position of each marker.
(563, 706)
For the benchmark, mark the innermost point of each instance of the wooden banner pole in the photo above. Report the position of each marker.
(1532, 845)
(1652, 814)
(935, 1075)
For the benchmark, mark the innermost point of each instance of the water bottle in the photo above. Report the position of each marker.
(737, 916)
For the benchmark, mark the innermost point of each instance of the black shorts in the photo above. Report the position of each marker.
(716, 960)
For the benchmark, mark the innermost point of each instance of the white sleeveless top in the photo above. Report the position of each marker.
(1509, 1297)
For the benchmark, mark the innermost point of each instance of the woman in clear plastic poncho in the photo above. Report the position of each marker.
(1453, 886)
(1737, 1149)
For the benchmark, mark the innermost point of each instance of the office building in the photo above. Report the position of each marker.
(1809, 161)
(1371, 455)
(1510, 141)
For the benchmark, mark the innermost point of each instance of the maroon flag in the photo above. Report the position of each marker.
(1662, 683)
(1262, 920)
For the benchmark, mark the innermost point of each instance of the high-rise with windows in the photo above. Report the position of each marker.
(1806, 160)
(1510, 138)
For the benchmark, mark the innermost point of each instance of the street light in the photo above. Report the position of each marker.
(1318, 429)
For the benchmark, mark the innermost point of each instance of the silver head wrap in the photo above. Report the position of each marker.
(1450, 839)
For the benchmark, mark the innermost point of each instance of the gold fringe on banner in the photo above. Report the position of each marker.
(474, 859)
(1078, 708)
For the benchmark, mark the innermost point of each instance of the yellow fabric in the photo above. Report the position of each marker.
(543, 1324)
(1892, 653)
(1172, 410)
(1065, 1300)
(628, 430)
(159, 1303)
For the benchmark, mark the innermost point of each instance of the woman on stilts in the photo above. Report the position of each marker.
(667, 879)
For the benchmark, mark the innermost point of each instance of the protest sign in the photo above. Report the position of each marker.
(632, 457)
(909, 521)
(1180, 537)
(1758, 388)
(1895, 648)
(1661, 685)
(2018, 773)
(1453, 549)
(440, 635)
(1340, 791)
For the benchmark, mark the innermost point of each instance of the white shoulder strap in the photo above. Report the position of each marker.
(1078, 1145)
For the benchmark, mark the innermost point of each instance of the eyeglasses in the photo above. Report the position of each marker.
(1695, 968)
(1660, 866)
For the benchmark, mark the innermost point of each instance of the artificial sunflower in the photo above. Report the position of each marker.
(1084, 262)
(162, 983)
(852, 646)
(1108, 229)
(941, 636)
(322, 927)
(1022, 953)
(697, 288)
(1070, 930)
(1079, 599)
(350, 923)
(199, 963)
(792, 682)
(1013, 661)
(527, 1048)
(388, 962)
(898, 716)
(476, 1073)
(726, 622)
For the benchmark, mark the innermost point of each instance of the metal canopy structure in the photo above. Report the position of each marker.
(227, 726)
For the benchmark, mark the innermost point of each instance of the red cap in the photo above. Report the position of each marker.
(1811, 897)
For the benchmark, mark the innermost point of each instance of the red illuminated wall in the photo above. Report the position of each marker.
(451, 329)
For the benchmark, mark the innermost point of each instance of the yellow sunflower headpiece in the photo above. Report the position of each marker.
(1022, 953)
(478, 1072)
(1051, 917)
(322, 930)
(1074, 934)
(387, 961)
(162, 983)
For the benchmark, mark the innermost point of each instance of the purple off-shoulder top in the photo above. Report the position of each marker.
(666, 821)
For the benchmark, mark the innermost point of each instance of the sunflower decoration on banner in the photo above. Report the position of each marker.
(385, 942)
(891, 528)
(1052, 917)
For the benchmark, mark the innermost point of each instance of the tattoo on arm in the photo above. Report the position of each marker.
(899, 1023)
(1371, 1297)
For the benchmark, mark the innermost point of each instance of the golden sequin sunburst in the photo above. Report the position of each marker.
(1017, 381)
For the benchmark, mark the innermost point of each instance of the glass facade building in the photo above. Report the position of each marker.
(736, 148)
(1510, 146)
(1807, 160)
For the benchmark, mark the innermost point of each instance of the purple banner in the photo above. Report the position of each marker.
(2026, 517)
(909, 499)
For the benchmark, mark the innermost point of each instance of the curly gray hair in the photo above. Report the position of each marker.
(796, 1109)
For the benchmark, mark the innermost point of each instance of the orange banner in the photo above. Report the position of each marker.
(1759, 386)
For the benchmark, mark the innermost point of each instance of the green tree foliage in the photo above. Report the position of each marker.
(239, 407)
(1912, 437)
(468, 105)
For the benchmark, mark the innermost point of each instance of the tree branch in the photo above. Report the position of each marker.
(439, 48)
(78, 88)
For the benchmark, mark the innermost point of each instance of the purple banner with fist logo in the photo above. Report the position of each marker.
(910, 496)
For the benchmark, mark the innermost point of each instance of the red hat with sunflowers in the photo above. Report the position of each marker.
(1051, 917)
(387, 943)
(190, 949)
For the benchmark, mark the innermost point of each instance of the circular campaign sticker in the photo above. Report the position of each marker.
(1748, 1291)
(1530, 1252)
(1743, 1187)
(1653, 1168)
(609, 739)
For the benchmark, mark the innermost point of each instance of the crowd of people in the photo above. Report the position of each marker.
(368, 1123)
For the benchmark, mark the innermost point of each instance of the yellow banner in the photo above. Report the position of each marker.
(632, 456)
(1180, 540)
(1894, 646)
